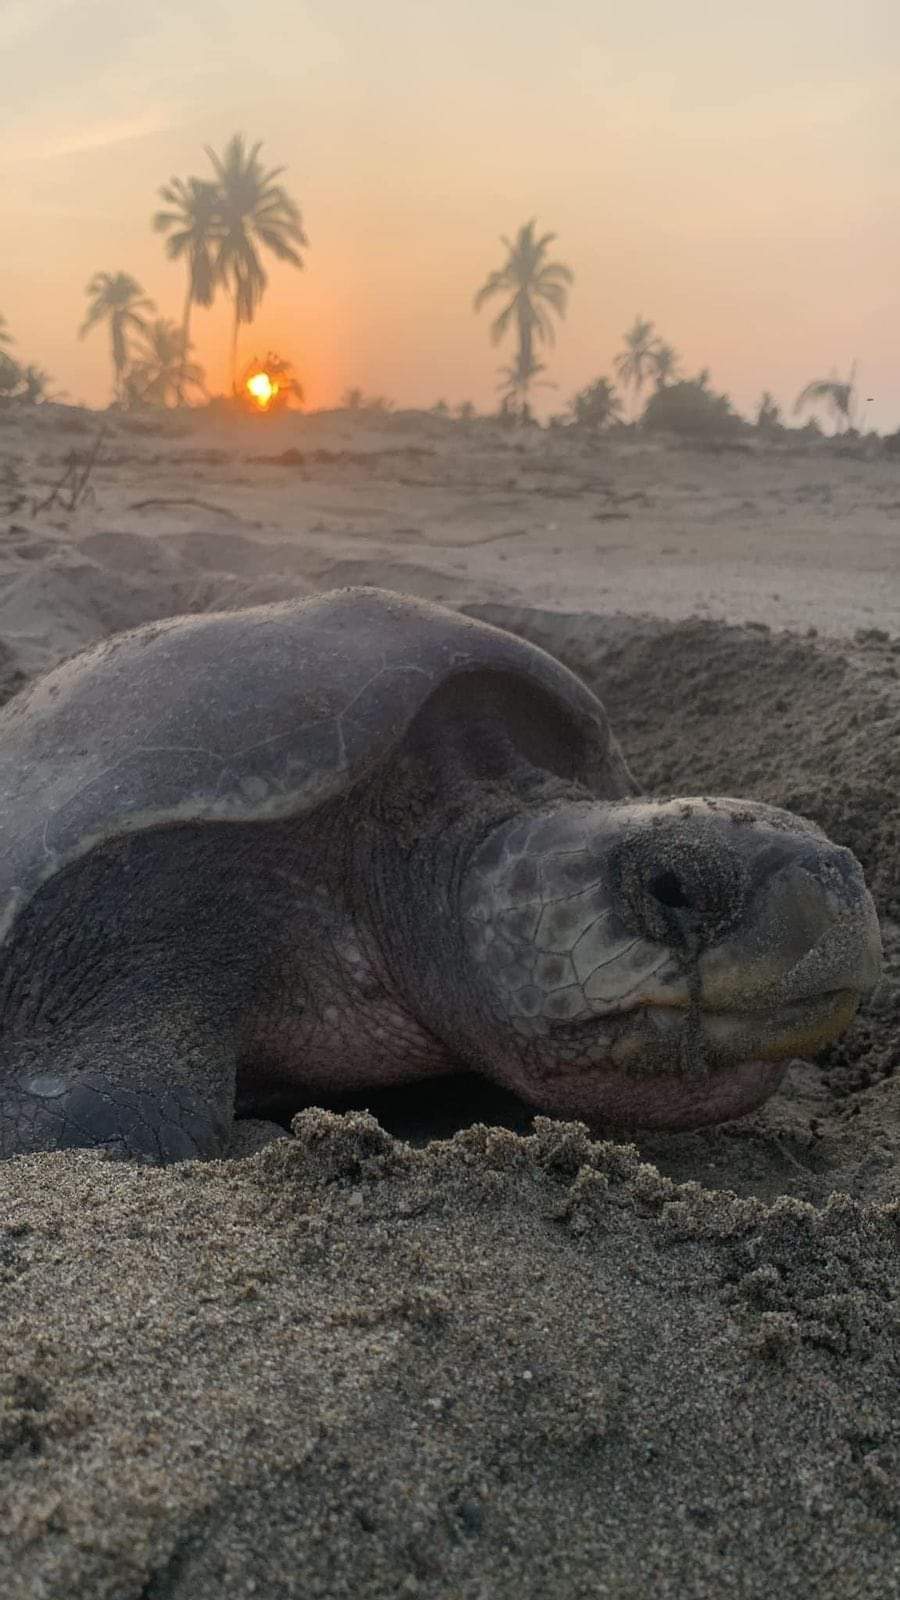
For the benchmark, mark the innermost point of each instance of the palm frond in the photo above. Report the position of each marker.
(555, 293)
(557, 271)
(497, 280)
(274, 241)
(819, 389)
(501, 323)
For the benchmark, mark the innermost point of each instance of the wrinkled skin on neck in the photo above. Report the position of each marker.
(645, 964)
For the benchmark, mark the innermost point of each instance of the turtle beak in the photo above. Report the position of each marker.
(808, 953)
(786, 977)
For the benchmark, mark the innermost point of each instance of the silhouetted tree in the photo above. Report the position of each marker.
(35, 385)
(193, 222)
(286, 386)
(768, 414)
(691, 409)
(839, 395)
(357, 400)
(10, 376)
(5, 335)
(533, 283)
(117, 298)
(596, 405)
(162, 369)
(465, 410)
(636, 363)
(28, 385)
(665, 361)
(253, 211)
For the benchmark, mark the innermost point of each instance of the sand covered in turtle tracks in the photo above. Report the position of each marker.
(508, 1361)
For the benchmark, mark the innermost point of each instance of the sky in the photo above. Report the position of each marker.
(730, 171)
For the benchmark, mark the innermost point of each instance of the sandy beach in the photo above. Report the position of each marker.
(426, 1346)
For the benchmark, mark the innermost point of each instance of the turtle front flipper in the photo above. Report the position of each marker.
(160, 1096)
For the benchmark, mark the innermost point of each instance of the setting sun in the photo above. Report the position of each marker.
(262, 388)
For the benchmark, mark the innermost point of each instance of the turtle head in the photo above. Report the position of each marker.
(656, 963)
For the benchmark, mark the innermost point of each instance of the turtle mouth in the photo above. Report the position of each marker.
(685, 1035)
(681, 1066)
(796, 1027)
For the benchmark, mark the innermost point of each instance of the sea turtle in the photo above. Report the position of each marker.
(252, 858)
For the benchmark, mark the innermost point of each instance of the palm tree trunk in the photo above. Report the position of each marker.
(117, 376)
(526, 354)
(234, 340)
(185, 335)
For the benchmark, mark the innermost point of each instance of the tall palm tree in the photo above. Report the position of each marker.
(665, 362)
(192, 222)
(635, 363)
(530, 279)
(162, 369)
(117, 298)
(838, 393)
(253, 210)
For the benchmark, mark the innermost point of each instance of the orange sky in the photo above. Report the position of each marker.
(731, 171)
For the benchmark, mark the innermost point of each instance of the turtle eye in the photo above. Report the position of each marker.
(666, 887)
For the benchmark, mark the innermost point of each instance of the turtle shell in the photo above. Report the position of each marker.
(247, 715)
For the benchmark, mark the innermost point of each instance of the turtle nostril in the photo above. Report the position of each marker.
(666, 887)
(684, 890)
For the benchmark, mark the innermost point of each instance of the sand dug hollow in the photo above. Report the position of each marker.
(499, 1365)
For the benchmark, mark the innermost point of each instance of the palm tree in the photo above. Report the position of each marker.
(162, 369)
(284, 386)
(5, 335)
(529, 278)
(36, 383)
(665, 362)
(117, 298)
(636, 362)
(838, 393)
(252, 210)
(192, 223)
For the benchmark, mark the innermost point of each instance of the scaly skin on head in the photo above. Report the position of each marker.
(655, 964)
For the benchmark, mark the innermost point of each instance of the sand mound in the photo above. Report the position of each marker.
(62, 597)
(501, 1366)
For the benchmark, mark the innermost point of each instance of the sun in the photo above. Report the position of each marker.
(263, 390)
